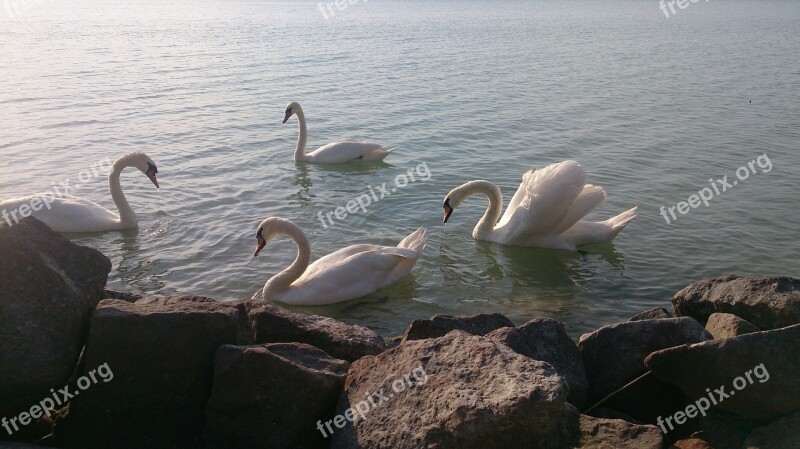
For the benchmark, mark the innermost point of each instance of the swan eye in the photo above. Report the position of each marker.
(289, 110)
(152, 167)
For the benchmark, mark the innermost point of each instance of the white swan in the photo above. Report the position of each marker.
(348, 273)
(67, 213)
(546, 211)
(335, 152)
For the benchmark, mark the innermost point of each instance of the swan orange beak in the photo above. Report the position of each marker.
(286, 117)
(152, 176)
(447, 210)
(261, 243)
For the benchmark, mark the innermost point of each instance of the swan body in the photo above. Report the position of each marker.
(546, 211)
(345, 274)
(67, 213)
(337, 152)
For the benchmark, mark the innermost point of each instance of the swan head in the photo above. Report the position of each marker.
(292, 108)
(143, 163)
(455, 198)
(267, 230)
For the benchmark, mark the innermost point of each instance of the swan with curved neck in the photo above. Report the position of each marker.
(67, 213)
(337, 152)
(346, 274)
(547, 210)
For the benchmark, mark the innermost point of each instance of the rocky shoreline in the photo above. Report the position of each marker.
(190, 372)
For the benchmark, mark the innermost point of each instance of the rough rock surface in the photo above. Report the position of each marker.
(456, 391)
(440, 325)
(599, 433)
(546, 340)
(770, 358)
(271, 396)
(48, 288)
(161, 352)
(783, 433)
(691, 443)
(768, 302)
(273, 324)
(724, 325)
(614, 355)
(652, 314)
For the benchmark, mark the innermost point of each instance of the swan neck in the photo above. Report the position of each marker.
(126, 215)
(300, 151)
(283, 280)
(493, 210)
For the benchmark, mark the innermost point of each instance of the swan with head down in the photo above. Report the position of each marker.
(338, 152)
(547, 210)
(67, 213)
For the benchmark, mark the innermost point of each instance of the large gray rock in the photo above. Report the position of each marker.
(771, 360)
(456, 391)
(440, 325)
(614, 356)
(546, 340)
(272, 396)
(48, 288)
(161, 354)
(652, 314)
(783, 433)
(724, 325)
(767, 302)
(273, 324)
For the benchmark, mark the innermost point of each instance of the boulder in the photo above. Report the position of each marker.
(161, 353)
(724, 325)
(456, 391)
(691, 443)
(440, 325)
(783, 433)
(652, 314)
(546, 340)
(767, 302)
(271, 396)
(273, 324)
(48, 288)
(599, 433)
(614, 356)
(757, 373)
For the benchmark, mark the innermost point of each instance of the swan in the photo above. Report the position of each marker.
(67, 213)
(546, 212)
(335, 152)
(348, 273)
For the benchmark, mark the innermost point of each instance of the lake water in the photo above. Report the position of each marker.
(652, 106)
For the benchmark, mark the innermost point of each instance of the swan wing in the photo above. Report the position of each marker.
(348, 150)
(65, 213)
(542, 201)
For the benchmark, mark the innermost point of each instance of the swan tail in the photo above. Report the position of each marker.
(380, 154)
(619, 222)
(415, 241)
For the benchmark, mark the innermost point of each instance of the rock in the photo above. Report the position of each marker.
(599, 433)
(393, 342)
(614, 356)
(48, 288)
(545, 339)
(161, 354)
(767, 302)
(273, 324)
(652, 314)
(272, 396)
(456, 391)
(691, 443)
(20, 446)
(112, 294)
(783, 433)
(771, 359)
(440, 325)
(724, 325)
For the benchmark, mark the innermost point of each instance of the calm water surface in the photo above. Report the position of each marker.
(652, 107)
